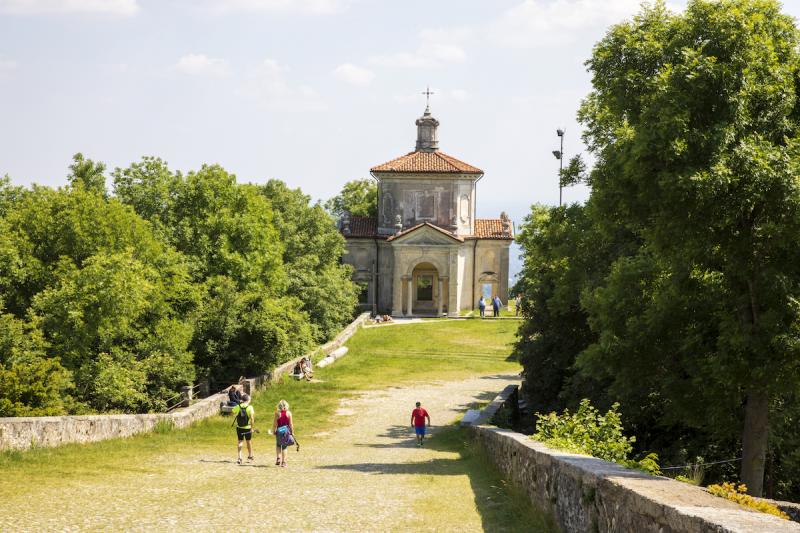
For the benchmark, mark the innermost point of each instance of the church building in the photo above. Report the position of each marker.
(426, 254)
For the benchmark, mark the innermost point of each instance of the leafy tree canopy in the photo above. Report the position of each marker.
(693, 123)
(357, 197)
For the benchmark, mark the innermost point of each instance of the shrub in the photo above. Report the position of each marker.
(587, 431)
(737, 494)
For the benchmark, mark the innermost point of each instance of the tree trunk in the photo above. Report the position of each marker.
(754, 441)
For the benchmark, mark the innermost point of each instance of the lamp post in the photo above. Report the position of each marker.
(560, 156)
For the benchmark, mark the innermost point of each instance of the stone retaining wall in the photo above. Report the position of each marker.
(588, 494)
(22, 433)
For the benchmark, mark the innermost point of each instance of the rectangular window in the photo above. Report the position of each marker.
(427, 203)
(363, 293)
(425, 288)
(486, 291)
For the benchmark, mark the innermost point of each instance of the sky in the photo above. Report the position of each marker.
(312, 92)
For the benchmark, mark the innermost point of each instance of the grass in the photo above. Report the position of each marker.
(378, 358)
(501, 506)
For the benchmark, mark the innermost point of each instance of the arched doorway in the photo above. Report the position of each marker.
(423, 293)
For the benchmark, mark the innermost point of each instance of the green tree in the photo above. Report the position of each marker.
(151, 188)
(31, 384)
(114, 324)
(312, 252)
(47, 225)
(9, 194)
(357, 197)
(246, 333)
(694, 123)
(565, 254)
(246, 257)
(87, 174)
(225, 228)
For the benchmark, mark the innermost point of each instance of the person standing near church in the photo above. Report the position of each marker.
(418, 417)
(482, 306)
(496, 303)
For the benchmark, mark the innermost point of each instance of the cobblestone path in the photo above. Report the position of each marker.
(367, 475)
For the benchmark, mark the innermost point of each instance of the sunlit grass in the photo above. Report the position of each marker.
(378, 357)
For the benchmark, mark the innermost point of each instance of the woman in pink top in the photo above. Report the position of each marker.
(280, 425)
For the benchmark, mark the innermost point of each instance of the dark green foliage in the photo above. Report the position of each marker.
(245, 332)
(31, 384)
(693, 122)
(564, 254)
(574, 172)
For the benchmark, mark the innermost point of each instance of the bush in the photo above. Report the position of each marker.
(587, 431)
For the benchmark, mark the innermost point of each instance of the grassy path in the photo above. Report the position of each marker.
(358, 469)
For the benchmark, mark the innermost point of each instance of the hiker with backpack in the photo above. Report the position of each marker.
(244, 418)
(283, 428)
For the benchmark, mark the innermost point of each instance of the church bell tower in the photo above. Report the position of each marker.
(427, 137)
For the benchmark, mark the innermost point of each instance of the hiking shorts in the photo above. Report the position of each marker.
(244, 433)
(420, 430)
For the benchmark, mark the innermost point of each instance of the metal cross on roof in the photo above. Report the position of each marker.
(428, 94)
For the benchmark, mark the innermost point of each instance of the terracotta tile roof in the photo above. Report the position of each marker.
(363, 227)
(415, 228)
(438, 162)
(491, 228)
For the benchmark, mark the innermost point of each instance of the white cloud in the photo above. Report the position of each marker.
(438, 46)
(202, 65)
(269, 86)
(311, 7)
(354, 74)
(535, 23)
(125, 8)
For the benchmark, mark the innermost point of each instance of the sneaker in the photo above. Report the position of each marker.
(239, 461)
(250, 458)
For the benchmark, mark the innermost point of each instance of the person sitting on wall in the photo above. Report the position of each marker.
(306, 369)
(234, 395)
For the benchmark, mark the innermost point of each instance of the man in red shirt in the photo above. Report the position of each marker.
(418, 417)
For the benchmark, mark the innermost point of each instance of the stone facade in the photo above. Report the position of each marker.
(426, 253)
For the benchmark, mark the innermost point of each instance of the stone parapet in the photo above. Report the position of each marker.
(588, 494)
(22, 433)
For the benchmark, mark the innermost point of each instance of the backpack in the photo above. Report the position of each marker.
(242, 417)
(286, 437)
